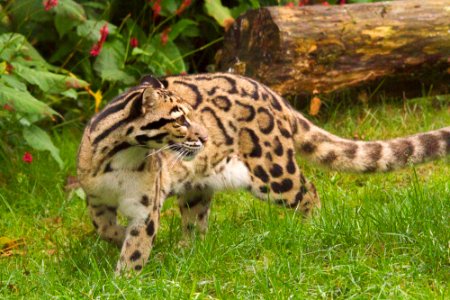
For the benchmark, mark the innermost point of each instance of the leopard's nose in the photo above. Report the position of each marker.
(203, 138)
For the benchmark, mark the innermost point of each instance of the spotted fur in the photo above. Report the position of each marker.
(193, 135)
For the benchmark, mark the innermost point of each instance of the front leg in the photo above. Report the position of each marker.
(140, 235)
(104, 219)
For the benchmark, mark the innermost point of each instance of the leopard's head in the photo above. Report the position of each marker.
(168, 122)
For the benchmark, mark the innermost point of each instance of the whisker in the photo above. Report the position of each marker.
(174, 157)
(158, 150)
(178, 157)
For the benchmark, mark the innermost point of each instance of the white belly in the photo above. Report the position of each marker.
(231, 175)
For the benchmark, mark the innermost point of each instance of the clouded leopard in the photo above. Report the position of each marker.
(192, 135)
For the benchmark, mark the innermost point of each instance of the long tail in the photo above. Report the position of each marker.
(337, 153)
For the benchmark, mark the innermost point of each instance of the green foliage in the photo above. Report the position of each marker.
(40, 140)
(110, 44)
(23, 70)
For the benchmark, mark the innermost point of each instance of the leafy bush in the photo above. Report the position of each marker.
(109, 44)
(24, 74)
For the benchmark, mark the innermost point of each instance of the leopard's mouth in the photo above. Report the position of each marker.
(186, 152)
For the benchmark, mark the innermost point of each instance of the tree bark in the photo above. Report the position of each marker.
(323, 49)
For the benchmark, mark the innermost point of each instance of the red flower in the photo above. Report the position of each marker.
(156, 9)
(325, 3)
(290, 4)
(134, 42)
(342, 2)
(104, 33)
(8, 107)
(183, 6)
(303, 2)
(165, 35)
(49, 4)
(27, 158)
(95, 50)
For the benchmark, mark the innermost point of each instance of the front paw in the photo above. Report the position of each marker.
(128, 268)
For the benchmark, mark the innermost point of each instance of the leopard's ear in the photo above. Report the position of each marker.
(149, 98)
(151, 81)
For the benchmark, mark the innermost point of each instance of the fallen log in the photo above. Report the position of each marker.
(323, 49)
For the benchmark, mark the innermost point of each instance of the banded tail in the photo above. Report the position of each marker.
(373, 156)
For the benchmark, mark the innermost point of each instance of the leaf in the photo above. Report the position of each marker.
(14, 82)
(96, 4)
(139, 51)
(70, 10)
(23, 102)
(185, 27)
(63, 25)
(14, 44)
(70, 93)
(132, 29)
(31, 11)
(90, 29)
(314, 106)
(117, 75)
(40, 140)
(169, 7)
(166, 58)
(48, 82)
(109, 63)
(68, 15)
(220, 13)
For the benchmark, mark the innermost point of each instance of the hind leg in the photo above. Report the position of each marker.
(194, 209)
(290, 191)
(275, 175)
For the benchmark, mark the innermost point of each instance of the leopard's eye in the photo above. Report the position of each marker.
(181, 120)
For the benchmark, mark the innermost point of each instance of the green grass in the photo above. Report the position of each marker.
(377, 236)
